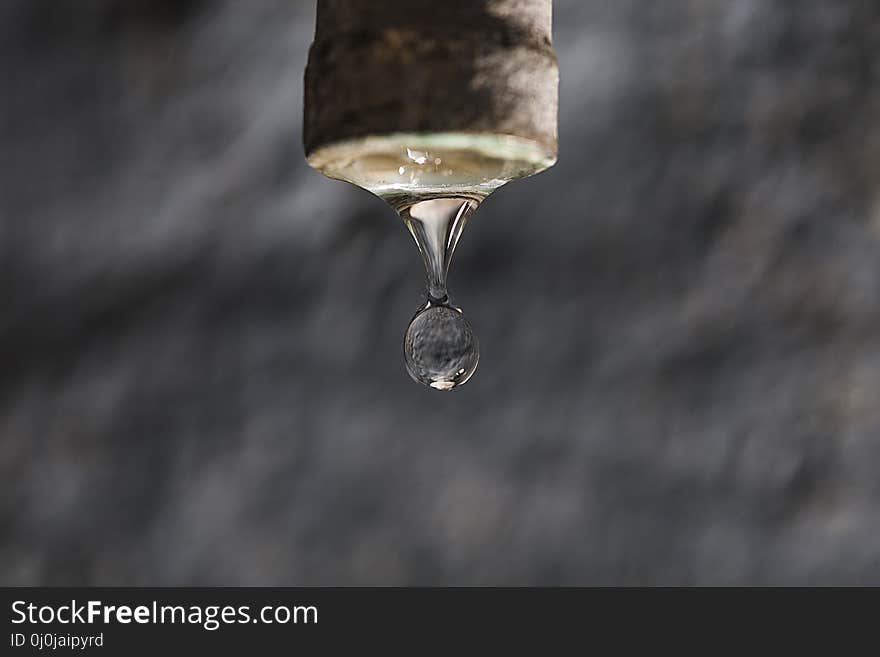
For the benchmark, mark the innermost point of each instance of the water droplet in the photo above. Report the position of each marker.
(440, 347)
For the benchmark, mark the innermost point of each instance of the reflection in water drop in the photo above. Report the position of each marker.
(440, 347)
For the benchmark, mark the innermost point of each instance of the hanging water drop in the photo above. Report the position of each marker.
(440, 348)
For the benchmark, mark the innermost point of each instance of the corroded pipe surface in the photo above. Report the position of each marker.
(417, 66)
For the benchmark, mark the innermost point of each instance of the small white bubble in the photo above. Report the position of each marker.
(419, 157)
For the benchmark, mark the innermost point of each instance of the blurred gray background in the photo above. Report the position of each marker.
(201, 375)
